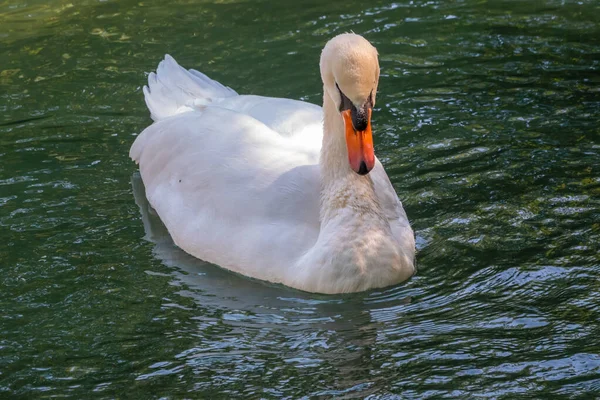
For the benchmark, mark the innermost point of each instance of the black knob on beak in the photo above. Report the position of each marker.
(360, 117)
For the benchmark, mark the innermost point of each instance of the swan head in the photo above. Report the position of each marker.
(350, 73)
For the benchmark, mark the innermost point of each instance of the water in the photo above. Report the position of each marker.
(487, 122)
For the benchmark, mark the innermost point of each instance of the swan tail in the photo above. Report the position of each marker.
(174, 90)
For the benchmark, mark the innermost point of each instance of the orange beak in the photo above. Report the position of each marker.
(361, 154)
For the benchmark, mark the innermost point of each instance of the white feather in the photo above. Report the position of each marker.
(237, 182)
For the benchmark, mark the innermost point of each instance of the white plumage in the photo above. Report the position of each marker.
(242, 182)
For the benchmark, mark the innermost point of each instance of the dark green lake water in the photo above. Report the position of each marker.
(487, 122)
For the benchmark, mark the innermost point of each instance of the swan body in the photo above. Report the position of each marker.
(264, 187)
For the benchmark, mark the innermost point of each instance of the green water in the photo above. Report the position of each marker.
(487, 122)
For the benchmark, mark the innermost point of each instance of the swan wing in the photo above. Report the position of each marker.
(290, 118)
(175, 90)
(230, 190)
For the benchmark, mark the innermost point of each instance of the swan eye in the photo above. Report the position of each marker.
(345, 104)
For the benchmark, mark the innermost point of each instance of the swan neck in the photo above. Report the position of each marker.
(334, 153)
(345, 195)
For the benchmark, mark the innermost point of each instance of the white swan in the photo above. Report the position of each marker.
(277, 189)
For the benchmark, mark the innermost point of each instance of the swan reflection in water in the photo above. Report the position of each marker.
(302, 328)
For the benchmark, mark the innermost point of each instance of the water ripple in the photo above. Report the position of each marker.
(486, 121)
